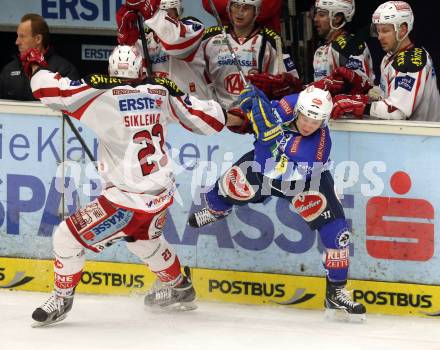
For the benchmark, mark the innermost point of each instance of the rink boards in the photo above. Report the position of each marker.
(228, 286)
(390, 200)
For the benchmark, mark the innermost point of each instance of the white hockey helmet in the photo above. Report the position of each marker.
(172, 4)
(256, 3)
(395, 13)
(314, 103)
(346, 7)
(125, 62)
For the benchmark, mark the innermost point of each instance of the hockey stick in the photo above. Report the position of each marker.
(140, 20)
(80, 139)
(281, 67)
(228, 43)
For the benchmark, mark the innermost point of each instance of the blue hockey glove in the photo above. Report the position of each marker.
(265, 123)
(247, 95)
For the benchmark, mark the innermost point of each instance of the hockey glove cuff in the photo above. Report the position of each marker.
(32, 57)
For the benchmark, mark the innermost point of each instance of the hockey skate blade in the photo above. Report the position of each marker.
(188, 306)
(178, 307)
(37, 324)
(341, 315)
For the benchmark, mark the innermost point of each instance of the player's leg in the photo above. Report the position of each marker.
(323, 211)
(147, 242)
(335, 237)
(95, 226)
(239, 185)
(68, 266)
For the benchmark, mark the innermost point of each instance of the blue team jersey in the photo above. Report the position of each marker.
(295, 157)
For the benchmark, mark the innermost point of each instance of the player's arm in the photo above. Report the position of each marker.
(199, 116)
(353, 64)
(361, 65)
(265, 123)
(179, 38)
(406, 89)
(238, 122)
(52, 89)
(353, 53)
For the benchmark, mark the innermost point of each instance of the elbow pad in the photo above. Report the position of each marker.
(382, 110)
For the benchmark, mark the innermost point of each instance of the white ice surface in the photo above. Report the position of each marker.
(108, 322)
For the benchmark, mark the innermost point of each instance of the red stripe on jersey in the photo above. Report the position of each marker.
(183, 45)
(182, 30)
(190, 57)
(389, 82)
(80, 111)
(177, 118)
(55, 92)
(419, 80)
(208, 119)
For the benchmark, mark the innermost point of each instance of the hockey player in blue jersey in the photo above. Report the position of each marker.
(290, 160)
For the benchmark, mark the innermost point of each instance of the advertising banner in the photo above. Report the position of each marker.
(389, 198)
(81, 14)
(228, 286)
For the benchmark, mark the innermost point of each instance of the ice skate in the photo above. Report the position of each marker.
(339, 305)
(54, 310)
(181, 297)
(204, 217)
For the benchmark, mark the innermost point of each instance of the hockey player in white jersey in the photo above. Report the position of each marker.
(408, 84)
(130, 117)
(343, 56)
(258, 50)
(172, 41)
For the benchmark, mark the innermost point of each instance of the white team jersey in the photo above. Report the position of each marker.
(221, 69)
(131, 124)
(344, 51)
(408, 86)
(172, 45)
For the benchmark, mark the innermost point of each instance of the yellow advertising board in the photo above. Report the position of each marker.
(229, 286)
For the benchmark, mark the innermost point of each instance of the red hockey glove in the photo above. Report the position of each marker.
(334, 85)
(147, 8)
(128, 31)
(245, 127)
(356, 84)
(349, 104)
(276, 86)
(31, 57)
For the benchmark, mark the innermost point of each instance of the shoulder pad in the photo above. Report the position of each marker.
(213, 31)
(170, 85)
(103, 81)
(410, 61)
(348, 45)
(270, 35)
